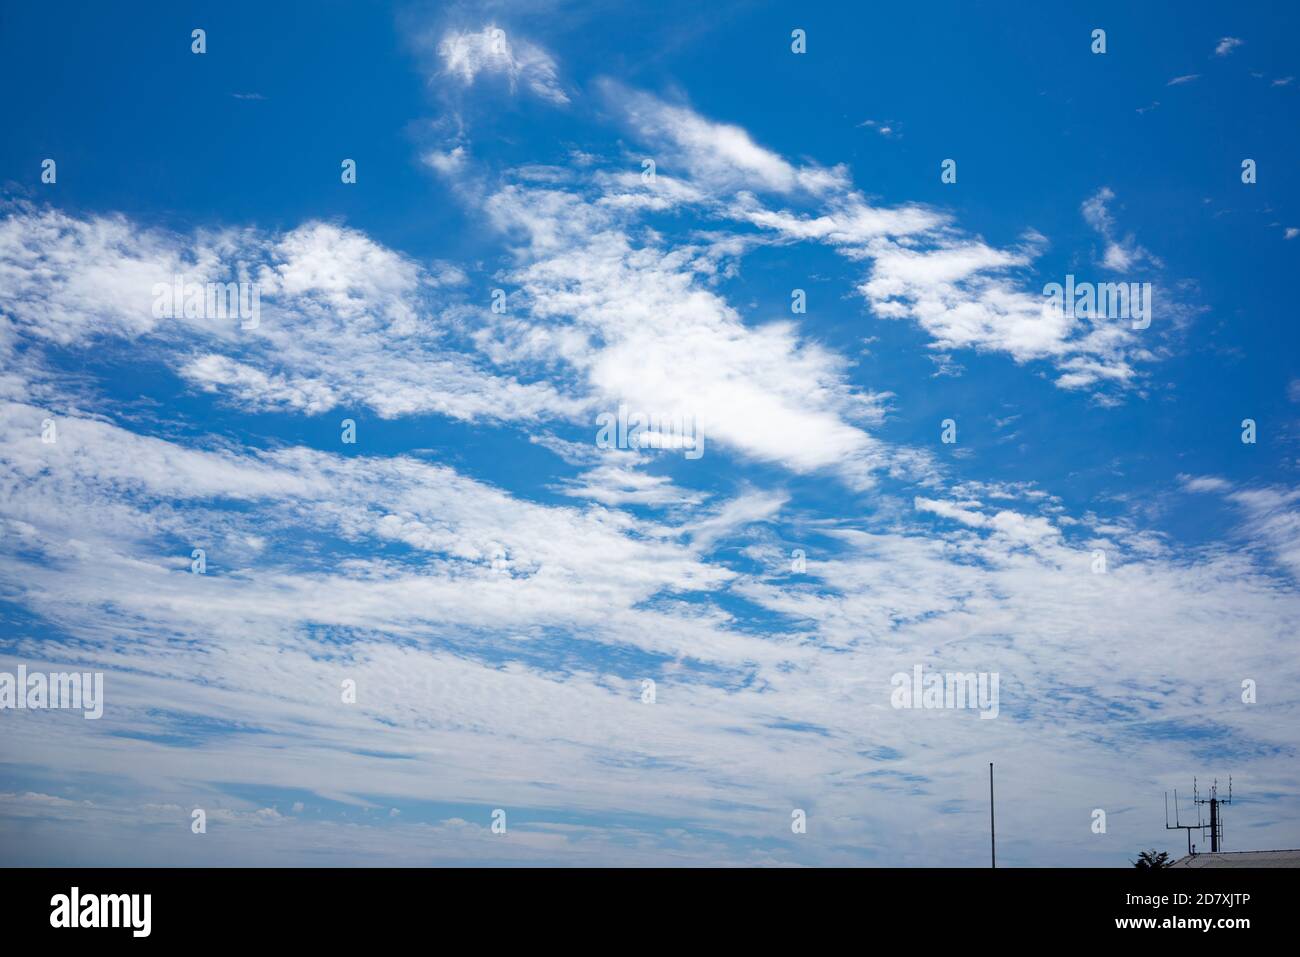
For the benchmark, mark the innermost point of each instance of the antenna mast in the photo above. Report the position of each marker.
(1216, 820)
(1215, 824)
(1179, 826)
(993, 834)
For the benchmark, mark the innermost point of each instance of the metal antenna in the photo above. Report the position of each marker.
(1178, 825)
(993, 834)
(1216, 820)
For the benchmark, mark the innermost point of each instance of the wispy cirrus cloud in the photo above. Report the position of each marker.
(1120, 252)
(964, 292)
(467, 54)
(717, 155)
(1226, 45)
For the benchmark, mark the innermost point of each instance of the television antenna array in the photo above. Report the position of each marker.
(1214, 825)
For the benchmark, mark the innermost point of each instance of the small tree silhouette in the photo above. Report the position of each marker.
(1152, 860)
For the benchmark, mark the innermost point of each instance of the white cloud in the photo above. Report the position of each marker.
(1204, 483)
(720, 155)
(66, 279)
(465, 55)
(456, 675)
(664, 345)
(620, 482)
(886, 128)
(448, 162)
(963, 291)
(344, 319)
(1121, 253)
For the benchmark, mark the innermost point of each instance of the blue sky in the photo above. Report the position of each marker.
(497, 584)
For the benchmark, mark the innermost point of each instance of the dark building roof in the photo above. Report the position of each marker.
(1289, 858)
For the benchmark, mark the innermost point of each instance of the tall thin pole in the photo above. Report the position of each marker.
(1214, 825)
(993, 834)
